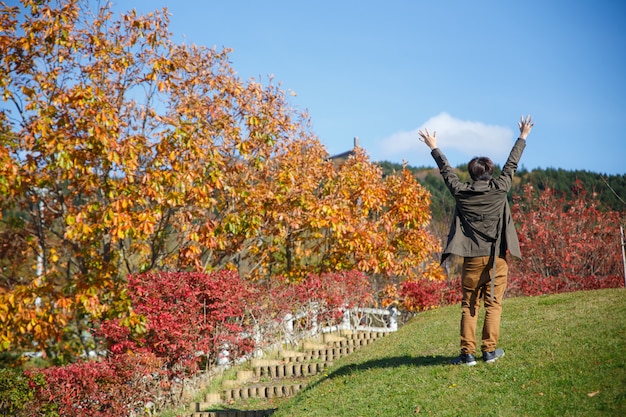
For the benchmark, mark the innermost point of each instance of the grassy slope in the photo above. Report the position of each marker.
(565, 356)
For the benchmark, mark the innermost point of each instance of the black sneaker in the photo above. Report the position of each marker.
(491, 357)
(464, 359)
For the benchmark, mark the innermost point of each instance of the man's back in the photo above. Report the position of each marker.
(482, 214)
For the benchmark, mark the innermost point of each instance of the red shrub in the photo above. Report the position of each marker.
(185, 313)
(452, 293)
(109, 388)
(533, 284)
(424, 294)
(559, 237)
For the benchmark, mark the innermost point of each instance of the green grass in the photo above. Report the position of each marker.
(565, 356)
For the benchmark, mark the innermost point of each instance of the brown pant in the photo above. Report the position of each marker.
(476, 281)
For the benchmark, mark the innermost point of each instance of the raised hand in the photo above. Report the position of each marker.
(525, 126)
(428, 139)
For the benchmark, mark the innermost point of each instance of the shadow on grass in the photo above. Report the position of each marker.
(236, 412)
(394, 362)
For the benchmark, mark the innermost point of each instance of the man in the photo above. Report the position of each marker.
(482, 230)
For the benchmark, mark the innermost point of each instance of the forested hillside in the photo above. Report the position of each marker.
(610, 190)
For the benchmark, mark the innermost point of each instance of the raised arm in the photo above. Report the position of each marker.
(447, 172)
(506, 176)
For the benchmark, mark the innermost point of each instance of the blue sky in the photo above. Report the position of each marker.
(381, 70)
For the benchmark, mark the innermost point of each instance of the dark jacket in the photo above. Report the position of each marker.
(482, 215)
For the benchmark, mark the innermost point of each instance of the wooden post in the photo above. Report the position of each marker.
(621, 232)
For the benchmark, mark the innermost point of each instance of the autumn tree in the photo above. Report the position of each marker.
(123, 152)
(316, 215)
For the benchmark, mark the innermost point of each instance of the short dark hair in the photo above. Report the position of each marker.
(480, 168)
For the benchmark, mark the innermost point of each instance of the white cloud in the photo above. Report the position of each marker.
(460, 137)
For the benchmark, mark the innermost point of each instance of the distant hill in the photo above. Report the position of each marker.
(610, 189)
